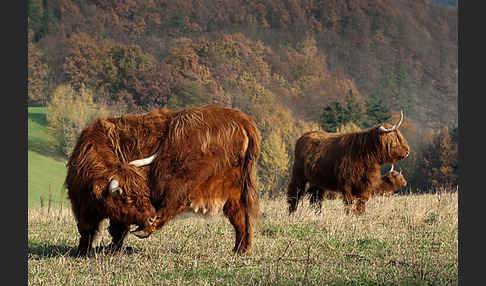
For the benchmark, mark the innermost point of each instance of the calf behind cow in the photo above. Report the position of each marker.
(388, 184)
(346, 163)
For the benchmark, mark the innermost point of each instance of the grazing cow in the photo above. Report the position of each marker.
(203, 159)
(104, 182)
(388, 184)
(205, 164)
(346, 163)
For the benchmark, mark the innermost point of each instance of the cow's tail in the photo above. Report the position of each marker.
(249, 195)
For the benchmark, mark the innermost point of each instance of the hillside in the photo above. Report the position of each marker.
(43, 170)
(405, 52)
(290, 65)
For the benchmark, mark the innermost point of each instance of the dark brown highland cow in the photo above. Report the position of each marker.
(205, 165)
(202, 160)
(389, 183)
(345, 163)
(102, 181)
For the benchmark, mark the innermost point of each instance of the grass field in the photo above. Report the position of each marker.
(402, 240)
(44, 168)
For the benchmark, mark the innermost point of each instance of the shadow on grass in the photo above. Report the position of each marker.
(44, 148)
(42, 251)
(39, 118)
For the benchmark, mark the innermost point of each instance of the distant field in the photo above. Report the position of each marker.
(403, 240)
(42, 169)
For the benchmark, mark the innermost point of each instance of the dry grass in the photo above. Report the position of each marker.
(401, 240)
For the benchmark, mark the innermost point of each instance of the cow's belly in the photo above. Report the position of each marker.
(208, 207)
(203, 208)
(208, 199)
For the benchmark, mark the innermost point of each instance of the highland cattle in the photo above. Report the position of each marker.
(146, 169)
(347, 163)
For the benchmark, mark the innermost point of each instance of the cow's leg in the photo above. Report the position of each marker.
(88, 229)
(360, 203)
(118, 232)
(348, 200)
(316, 197)
(295, 189)
(237, 215)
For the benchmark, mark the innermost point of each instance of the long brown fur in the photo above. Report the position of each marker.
(207, 163)
(102, 153)
(206, 160)
(386, 186)
(345, 163)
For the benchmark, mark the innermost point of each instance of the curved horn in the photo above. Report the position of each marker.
(114, 188)
(391, 170)
(383, 129)
(145, 161)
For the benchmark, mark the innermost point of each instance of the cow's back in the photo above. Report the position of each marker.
(203, 142)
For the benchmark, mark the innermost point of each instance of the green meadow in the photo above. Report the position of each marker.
(45, 170)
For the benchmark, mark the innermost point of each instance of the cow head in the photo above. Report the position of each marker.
(396, 181)
(114, 188)
(394, 146)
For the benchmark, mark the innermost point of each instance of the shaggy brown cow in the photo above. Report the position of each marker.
(346, 163)
(102, 181)
(388, 184)
(205, 165)
(204, 156)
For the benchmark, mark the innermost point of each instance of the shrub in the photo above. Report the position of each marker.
(348, 127)
(274, 164)
(69, 112)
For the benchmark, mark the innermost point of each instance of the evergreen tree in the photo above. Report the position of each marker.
(353, 109)
(40, 22)
(34, 15)
(376, 111)
(334, 115)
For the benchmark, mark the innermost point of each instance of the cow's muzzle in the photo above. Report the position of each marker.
(144, 232)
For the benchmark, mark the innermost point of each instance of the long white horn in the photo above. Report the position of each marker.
(383, 129)
(391, 170)
(145, 161)
(401, 119)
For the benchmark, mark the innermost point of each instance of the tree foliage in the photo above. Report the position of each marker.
(291, 65)
(41, 19)
(440, 159)
(376, 110)
(37, 73)
(68, 113)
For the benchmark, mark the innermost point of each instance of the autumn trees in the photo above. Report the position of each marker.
(292, 65)
(37, 73)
